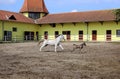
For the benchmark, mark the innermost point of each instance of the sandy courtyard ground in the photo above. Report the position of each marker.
(24, 61)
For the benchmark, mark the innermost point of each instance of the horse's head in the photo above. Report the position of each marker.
(62, 37)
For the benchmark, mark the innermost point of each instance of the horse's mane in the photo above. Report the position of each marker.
(40, 41)
(58, 35)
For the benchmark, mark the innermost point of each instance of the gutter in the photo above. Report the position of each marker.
(87, 24)
(2, 30)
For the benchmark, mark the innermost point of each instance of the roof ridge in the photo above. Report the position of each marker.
(86, 16)
(10, 11)
(82, 11)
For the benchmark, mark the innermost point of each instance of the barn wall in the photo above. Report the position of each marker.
(21, 28)
(0, 30)
(74, 29)
(101, 30)
(87, 31)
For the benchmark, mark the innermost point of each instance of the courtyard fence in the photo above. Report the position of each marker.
(67, 37)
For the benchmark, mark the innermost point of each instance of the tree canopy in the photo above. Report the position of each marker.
(117, 13)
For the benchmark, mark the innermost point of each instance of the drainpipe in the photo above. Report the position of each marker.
(2, 30)
(86, 23)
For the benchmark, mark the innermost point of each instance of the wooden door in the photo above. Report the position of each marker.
(81, 35)
(46, 35)
(108, 35)
(94, 35)
(67, 33)
(56, 34)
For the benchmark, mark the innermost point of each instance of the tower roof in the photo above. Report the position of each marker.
(34, 6)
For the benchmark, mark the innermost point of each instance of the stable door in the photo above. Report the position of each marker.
(94, 35)
(108, 35)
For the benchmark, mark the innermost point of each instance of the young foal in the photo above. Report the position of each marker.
(75, 46)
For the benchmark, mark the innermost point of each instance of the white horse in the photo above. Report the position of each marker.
(56, 42)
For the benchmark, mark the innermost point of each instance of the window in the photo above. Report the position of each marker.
(7, 35)
(56, 34)
(14, 29)
(34, 15)
(118, 33)
(28, 35)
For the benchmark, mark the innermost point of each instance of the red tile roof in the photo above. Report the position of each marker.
(72, 17)
(34, 6)
(16, 17)
(89, 16)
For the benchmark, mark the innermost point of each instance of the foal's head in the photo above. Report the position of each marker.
(84, 44)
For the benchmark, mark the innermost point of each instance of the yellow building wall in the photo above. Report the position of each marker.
(1, 30)
(42, 15)
(65, 27)
(25, 14)
(75, 28)
(21, 28)
(101, 30)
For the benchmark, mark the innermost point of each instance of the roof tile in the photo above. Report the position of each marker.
(88, 16)
(5, 15)
(34, 6)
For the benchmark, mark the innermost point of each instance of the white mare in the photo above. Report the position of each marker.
(56, 42)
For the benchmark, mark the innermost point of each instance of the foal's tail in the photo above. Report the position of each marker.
(40, 41)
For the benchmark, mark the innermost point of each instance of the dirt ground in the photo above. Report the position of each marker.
(25, 61)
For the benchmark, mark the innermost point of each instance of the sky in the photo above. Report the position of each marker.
(62, 6)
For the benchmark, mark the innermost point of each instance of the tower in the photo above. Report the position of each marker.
(34, 9)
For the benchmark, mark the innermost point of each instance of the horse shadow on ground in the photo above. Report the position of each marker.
(77, 51)
(51, 49)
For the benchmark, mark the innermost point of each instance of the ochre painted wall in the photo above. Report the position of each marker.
(25, 14)
(0, 30)
(101, 30)
(75, 28)
(21, 28)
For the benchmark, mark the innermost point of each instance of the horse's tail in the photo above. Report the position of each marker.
(40, 41)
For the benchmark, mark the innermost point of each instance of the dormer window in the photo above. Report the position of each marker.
(12, 17)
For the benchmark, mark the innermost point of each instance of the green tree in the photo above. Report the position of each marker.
(117, 13)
